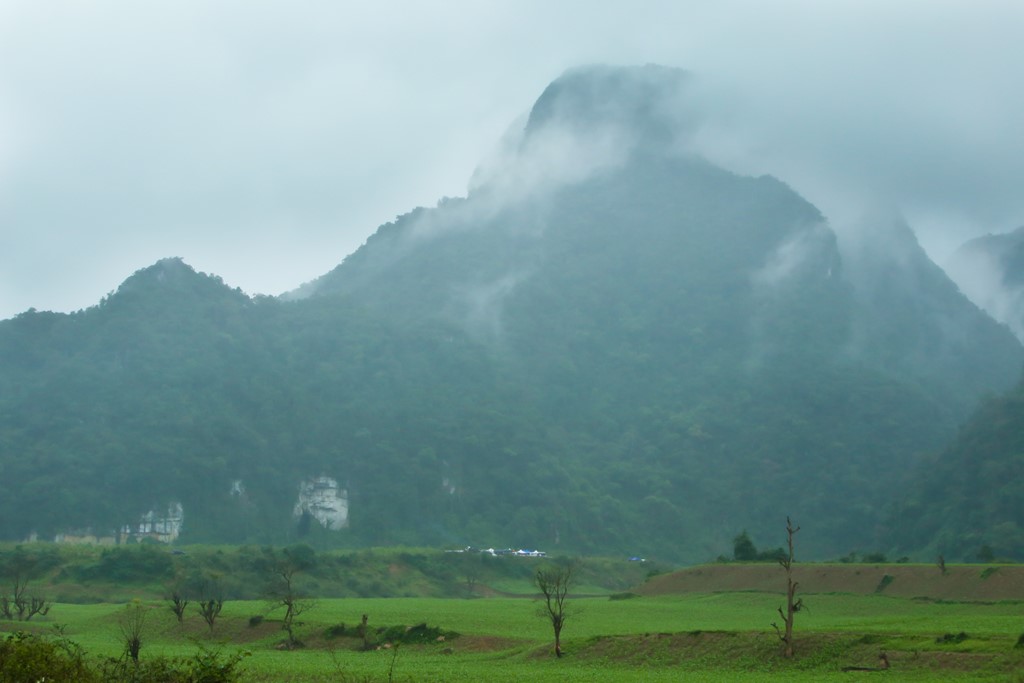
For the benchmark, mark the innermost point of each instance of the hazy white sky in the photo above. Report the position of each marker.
(264, 141)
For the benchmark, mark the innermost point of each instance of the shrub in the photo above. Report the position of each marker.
(623, 596)
(420, 633)
(129, 564)
(210, 666)
(336, 631)
(27, 657)
(206, 666)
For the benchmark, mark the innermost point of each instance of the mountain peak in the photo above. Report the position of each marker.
(644, 98)
(172, 278)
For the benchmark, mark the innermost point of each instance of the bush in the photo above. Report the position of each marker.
(336, 631)
(129, 564)
(988, 571)
(623, 596)
(209, 666)
(27, 657)
(206, 666)
(421, 633)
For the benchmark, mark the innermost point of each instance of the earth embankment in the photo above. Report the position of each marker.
(961, 582)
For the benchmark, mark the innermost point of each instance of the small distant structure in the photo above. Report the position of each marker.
(163, 528)
(522, 552)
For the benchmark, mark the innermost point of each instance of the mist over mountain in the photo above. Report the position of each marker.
(609, 345)
(990, 270)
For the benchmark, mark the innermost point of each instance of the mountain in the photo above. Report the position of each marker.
(965, 500)
(968, 499)
(990, 270)
(609, 345)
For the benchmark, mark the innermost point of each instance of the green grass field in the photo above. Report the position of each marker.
(712, 637)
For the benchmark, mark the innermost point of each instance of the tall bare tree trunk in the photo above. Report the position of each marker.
(793, 605)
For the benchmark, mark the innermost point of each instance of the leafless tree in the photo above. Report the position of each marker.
(468, 566)
(554, 583)
(282, 590)
(19, 604)
(364, 632)
(793, 605)
(178, 604)
(35, 605)
(212, 601)
(132, 622)
(210, 610)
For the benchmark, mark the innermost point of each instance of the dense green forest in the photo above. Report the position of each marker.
(969, 499)
(638, 356)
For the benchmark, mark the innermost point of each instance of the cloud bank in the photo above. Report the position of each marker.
(264, 142)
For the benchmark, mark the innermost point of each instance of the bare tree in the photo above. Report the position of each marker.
(19, 604)
(468, 566)
(209, 610)
(132, 622)
(178, 604)
(793, 605)
(36, 605)
(554, 583)
(180, 592)
(364, 632)
(282, 589)
(212, 601)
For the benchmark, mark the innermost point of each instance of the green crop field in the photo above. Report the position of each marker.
(710, 623)
(719, 636)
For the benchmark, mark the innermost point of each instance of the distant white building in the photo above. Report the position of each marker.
(163, 527)
(325, 502)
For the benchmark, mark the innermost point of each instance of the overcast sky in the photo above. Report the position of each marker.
(264, 141)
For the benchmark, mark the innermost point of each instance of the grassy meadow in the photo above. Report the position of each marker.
(627, 621)
(723, 636)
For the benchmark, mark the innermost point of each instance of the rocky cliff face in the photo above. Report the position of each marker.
(324, 501)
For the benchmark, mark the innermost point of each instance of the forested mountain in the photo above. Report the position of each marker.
(968, 500)
(990, 270)
(609, 344)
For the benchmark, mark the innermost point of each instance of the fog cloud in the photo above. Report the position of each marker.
(264, 142)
